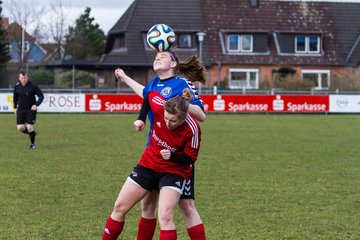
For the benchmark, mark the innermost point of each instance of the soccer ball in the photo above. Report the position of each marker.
(160, 37)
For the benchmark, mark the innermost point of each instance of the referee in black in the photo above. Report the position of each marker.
(25, 105)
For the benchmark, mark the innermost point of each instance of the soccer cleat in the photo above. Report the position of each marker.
(32, 146)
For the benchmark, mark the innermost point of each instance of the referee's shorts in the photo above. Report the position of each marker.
(25, 116)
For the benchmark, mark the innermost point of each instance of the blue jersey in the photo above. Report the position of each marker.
(163, 90)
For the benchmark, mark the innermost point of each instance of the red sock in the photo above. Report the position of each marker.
(197, 232)
(146, 229)
(112, 229)
(168, 235)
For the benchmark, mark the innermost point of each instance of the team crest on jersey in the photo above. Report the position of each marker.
(166, 92)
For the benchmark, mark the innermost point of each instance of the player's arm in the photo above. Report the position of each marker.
(40, 96)
(139, 124)
(134, 85)
(180, 158)
(190, 152)
(196, 107)
(197, 112)
(15, 100)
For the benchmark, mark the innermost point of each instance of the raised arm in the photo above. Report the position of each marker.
(134, 85)
(194, 110)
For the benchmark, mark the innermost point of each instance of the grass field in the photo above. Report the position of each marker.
(257, 177)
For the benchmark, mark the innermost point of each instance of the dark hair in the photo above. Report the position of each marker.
(22, 72)
(192, 68)
(179, 105)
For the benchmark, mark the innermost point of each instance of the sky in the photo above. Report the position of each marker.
(105, 12)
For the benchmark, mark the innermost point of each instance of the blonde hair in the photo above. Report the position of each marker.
(192, 68)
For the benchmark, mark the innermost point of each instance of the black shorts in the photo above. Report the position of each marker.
(25, 116)
(149, 179)
(189, 190)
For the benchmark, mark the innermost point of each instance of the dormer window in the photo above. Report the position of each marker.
(307, 44)
(239, 43)
(184, 41)
(119, 42)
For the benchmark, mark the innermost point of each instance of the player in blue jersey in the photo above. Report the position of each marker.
(161, 88)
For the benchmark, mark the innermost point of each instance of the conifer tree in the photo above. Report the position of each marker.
(4, 43)
(85, 40)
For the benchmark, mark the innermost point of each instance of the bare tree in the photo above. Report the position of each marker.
(28, 17)
(56, 29)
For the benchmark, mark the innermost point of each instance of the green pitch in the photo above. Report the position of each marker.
(258, 176)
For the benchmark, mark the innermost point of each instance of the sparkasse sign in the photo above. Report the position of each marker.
(266, 103)
(112, 103)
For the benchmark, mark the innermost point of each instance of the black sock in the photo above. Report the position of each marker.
(32, 136)
(25, 131)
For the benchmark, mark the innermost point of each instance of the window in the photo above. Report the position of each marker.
(233, 43)
(243, 78)
(184, 41)
(119, 42)
(321, 78)
(239, 43)
(307, 44)
(254, 3)
(26, 46)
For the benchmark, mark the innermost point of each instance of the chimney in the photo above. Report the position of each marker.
(5, 22)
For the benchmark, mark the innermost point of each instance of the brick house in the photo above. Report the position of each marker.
(247, 42)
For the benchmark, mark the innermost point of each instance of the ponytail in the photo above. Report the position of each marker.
(186, 94)
(192, 68)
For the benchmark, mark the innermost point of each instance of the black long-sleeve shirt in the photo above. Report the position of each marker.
(24, 96)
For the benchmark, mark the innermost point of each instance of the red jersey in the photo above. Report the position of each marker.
(184, 139)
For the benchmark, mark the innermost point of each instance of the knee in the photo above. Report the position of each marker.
(20, 128)
(187, 207)
(30, 128)
(119, 210)
(148, 209)
(165, 219)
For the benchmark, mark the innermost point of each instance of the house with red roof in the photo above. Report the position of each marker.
(247, 43)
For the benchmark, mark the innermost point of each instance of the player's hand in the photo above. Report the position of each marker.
(165, 153)
(33, 107)
(120, 74)
(139, 125)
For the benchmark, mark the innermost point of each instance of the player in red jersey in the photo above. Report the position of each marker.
(167, 64)
(165, 165)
